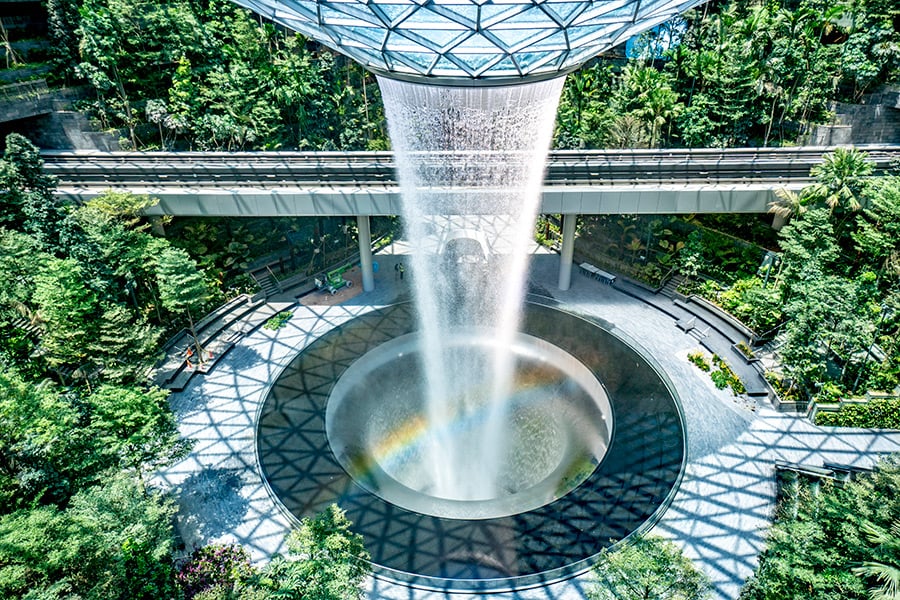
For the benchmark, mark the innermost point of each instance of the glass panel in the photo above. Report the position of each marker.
(426, 19)
(505, 67)
(439, 40)
(347, 15)
(393, 13)
(516, 38)
(533, 17)
(474, 62)
(611, 12)
(368, 56)
(399, 43)
(556, 41)
(659, 6)
(374, 36)
(563, 11)
(445, 66)
(419, 61)
(306, 8)
(360, 11)
(475, 43)
(528, 61)
(467, 14)
(492, 13)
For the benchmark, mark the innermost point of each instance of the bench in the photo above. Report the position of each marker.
(590, 270)
(686, 324)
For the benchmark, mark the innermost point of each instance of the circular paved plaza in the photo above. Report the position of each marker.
(718, 515)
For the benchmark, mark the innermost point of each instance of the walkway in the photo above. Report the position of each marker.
(718, 516)
(254, 184)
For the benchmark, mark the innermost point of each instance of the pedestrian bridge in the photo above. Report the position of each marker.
(246, 184)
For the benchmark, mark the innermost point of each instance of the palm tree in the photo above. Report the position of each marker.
(787, 203)
(888, 575)
(842, 178)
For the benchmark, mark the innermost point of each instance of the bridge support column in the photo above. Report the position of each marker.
(365, 252)
(567, 251)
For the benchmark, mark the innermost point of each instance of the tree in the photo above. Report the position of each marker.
(182, 288)
(331, 562)
(41, 461)
(62, 20)
(27, 201)
(20, 258)
(113, 542)
(877, 233)
(68, 309)
(842, 177)
(136, 426)
(887, 575)
(821, 534)
(649, 568)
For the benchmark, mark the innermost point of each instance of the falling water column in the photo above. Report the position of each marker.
(470, 164)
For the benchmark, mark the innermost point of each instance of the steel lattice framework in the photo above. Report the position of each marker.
(469, 39)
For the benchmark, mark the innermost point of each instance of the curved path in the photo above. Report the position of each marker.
(718, 517)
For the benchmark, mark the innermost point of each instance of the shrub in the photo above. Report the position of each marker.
(726, 377)
(214, 566)
(699, 359)
(720, 378)
(278, 321)
(878, 414)
(786, 390)
(745, 349)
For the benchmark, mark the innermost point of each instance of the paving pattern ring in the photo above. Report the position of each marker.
(628, 491)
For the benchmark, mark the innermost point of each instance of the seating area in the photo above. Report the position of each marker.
(589, 270)
(217, 333)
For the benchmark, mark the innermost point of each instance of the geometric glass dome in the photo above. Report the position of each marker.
(471, 41)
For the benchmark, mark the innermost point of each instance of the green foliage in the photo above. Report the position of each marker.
(753, 303)
(722, 375)
(699, 359)
(136, 426)
(216, 567)
(821, 534)
(113, 542)
(786, 390)
(209, 76)
(279, 320)
(886, 573)
(648, 567)
(27, 202)
(745, 349)
(68, 309)
(727, 375)
(331, 561)
(40, 460)
(735, 74)
(841, 177)
(182, 288)
(877, 235)
(877, 413)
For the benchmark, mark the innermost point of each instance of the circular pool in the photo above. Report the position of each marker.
(595, 450)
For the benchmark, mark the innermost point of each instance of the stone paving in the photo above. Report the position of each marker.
(718, 516)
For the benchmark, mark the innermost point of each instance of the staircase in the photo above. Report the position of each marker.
(267, 283)
(27, 326)
(670, 289)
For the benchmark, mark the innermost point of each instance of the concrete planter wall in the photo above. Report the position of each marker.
(752, 336)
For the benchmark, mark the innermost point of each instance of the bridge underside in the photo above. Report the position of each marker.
(370, 201)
